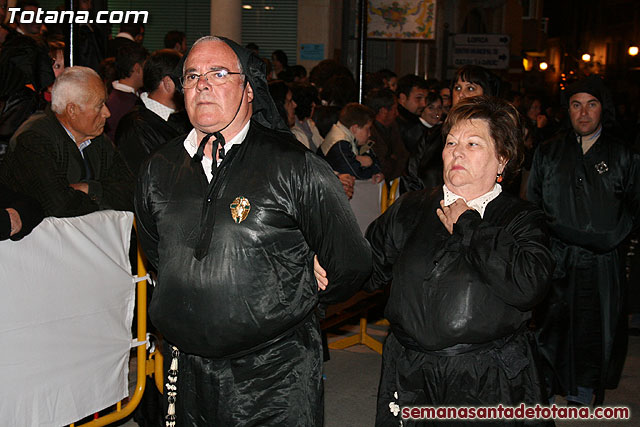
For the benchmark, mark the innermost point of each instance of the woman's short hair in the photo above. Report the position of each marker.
(480, 76)
(281, 57)
(356, 114)
(278, 91)
(304, 96)
(506, 127)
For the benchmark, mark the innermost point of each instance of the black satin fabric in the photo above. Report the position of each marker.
(424, 169)
(505, 373)
(472, 287)
(256, 281)
(141, 131)
(277, 386)
(459, 303)
(592, 202)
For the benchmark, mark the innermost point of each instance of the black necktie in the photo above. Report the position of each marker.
(219, 142)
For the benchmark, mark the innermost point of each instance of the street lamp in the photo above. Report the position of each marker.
(586, 57)
(633, 50)
(543, 65)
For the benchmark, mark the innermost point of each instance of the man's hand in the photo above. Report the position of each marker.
(80, 186)
(378, 178)
(347, 183)
(16, 222)
(449, 214)
(365, 161)
(320, 273)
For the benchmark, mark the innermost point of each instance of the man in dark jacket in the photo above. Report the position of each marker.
(385, 134)
(232, 217)
(587, 182)
(60, 157)
(130, 60)
(157, 117)
(412, 100)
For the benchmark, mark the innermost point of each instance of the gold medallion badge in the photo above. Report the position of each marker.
(240, 208)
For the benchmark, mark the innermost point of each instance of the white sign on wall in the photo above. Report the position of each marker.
(487, 50)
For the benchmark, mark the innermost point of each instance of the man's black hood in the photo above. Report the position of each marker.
(593, 85)
(254, 68)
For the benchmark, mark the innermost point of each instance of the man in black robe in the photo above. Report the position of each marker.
(588, 184)
(232, 217)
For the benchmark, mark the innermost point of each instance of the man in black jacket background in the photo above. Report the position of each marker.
(157, 117)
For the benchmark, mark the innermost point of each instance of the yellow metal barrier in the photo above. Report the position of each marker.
(150, 366)
(388, 194)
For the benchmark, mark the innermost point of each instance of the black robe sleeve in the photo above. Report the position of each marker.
(331, 230)
(30, 213)
(514, 260)
(146, 228)
(387, 235)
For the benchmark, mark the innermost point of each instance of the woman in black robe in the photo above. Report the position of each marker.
(467, 264)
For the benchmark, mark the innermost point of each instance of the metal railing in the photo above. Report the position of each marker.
(146, 366)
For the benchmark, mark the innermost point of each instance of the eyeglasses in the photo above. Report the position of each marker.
(213, 77)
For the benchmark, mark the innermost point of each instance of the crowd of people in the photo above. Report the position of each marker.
(505, 253)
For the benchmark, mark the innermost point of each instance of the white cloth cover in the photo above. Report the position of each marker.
(67, 307)
(366, 202)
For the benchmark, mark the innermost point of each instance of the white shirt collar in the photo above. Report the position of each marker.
(80, 146)
(157, 107)
(425, 123)
(191, 145)
(126, 36)
(122, 87)
(479, 203)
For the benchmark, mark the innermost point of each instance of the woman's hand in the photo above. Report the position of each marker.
(320, 273)
(449, 214)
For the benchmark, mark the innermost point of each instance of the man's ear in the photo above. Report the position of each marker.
(137, 68)
(249, 90)
(353, 128)
(402, 98)
(71, 110)
(168, 85)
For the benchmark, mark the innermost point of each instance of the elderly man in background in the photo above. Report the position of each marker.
(232, 216)
(61, 158)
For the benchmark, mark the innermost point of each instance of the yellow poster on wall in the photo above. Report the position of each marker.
(399, 19)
